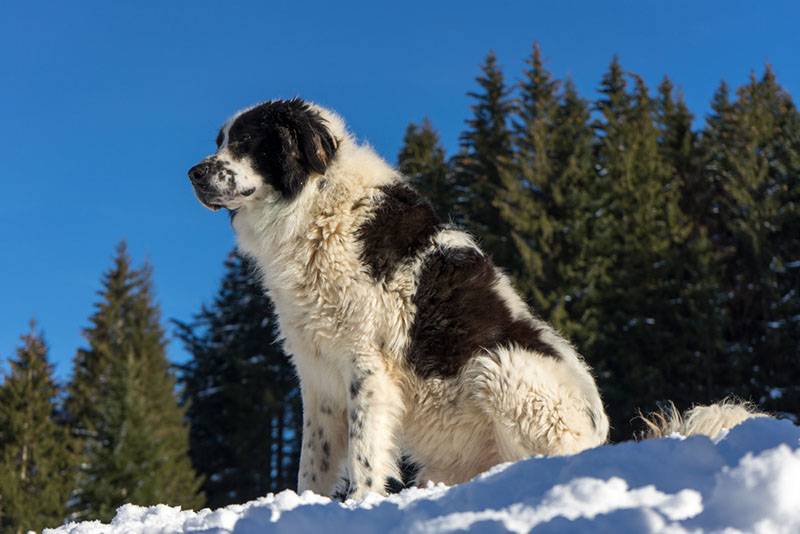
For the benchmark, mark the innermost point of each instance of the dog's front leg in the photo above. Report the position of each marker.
(375, 407)
(324, 443)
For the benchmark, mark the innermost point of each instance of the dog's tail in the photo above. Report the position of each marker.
(711, 420)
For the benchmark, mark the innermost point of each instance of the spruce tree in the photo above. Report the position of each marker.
(527, 184)
(645, 342)
(705, 316)
(242, 395)
(37, 461)
(678, 143)
(486, 150)
(674, 121)
(123, 407)
(422, 159)
(715, 144)
(573, 152)
(544, 198)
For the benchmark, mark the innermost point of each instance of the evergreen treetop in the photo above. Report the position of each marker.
(122, 404)
(422, 159)
(37, 461)
(486, 151)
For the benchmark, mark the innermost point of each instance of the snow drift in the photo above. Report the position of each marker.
(747, 481)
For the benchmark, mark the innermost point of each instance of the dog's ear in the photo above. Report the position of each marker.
(306, 146)
(318, 144)
(292, 174)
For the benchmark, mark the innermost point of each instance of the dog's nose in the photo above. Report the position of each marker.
(199, 172)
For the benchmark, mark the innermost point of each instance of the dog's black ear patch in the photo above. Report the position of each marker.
(291, 175)
(291, 141)
(318, 144)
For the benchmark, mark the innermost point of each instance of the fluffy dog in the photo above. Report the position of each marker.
(405, 336)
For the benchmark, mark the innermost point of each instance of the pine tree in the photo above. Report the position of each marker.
(122, 404)
(780, 373)
(678, 143)
(422, 159)
(544, 199)
(486, 150)
(527, 184)
(715, 143)
(646, 342)
(705, 317)
(242, 395)
(574, 154)
(37, 461)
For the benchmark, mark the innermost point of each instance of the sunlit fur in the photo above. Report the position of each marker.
(706, 420)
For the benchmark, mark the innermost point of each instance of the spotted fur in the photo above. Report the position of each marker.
(406, 338)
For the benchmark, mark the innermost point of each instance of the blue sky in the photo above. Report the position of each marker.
(105, 105)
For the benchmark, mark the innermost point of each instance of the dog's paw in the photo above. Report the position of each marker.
(358, 492)
(393, 485)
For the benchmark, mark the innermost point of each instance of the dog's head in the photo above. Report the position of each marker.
(265, 152)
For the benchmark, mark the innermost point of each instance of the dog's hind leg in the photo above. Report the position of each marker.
(537, 404)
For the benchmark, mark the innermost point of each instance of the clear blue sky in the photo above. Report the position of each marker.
(105, 105)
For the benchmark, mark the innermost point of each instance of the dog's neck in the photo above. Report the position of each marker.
(282, 235)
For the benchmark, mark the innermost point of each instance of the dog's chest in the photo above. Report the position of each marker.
(328, 306)
(319, 287)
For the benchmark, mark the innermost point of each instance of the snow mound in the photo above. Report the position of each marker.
(748, 481)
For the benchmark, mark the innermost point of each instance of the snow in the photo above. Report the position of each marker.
(747, 481)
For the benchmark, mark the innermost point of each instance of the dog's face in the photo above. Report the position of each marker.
(266, 152)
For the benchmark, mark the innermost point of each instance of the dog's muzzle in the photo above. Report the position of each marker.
(201, 176)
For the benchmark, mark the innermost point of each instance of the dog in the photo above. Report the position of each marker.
(406, 338)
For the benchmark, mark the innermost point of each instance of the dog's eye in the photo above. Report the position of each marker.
(220, 137)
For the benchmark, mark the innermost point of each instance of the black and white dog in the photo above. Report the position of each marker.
(406, 338)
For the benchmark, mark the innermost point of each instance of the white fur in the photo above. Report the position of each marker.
(345, 331)
(706, 420)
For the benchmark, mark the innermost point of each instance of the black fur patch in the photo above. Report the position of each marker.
(408, 471)
(459, 313)
(392, 485)
(355, 387)
(286, 140)
(401, 226)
